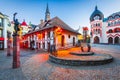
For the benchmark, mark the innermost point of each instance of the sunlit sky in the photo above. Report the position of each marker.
(73, 12)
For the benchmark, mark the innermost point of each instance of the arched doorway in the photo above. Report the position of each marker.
(73, 41)
(63, 41)
(110, 40)
(96, 39)
(116, 40)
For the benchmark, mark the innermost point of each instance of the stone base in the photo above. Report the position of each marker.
(97, 59)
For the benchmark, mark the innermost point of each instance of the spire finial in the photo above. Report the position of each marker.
(47, 9)
(47, 13)
(96, 7)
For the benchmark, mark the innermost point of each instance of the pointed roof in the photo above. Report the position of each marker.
(23, 23)
(96, 7)
(47, 9)
(96, 12)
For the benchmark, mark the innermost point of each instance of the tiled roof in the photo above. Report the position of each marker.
(114, 14)
(55, 22)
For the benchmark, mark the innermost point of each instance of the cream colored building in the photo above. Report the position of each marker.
(6, 30)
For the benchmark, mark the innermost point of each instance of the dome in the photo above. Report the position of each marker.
(96, 13)
(23, 23)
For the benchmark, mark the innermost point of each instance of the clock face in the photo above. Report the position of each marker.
(97, 18)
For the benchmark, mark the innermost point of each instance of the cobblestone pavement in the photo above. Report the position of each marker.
(35, 66)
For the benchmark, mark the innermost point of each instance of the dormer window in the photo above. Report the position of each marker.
(110, 18)
(96, 18)
(116, 17)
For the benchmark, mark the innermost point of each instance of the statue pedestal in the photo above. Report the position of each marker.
(16, 51)
(8, 48)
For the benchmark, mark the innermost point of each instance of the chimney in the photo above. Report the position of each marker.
(41, 21)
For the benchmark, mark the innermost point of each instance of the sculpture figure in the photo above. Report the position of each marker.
(16, 23)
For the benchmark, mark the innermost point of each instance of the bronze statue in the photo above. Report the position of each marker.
(16, 23)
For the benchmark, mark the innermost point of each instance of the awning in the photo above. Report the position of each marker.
(1, 38)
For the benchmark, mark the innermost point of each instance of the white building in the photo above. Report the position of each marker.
(6, 30)
(49, 32)
(105, 30)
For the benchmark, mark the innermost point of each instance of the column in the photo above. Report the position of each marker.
(5, 32)
(46, 44)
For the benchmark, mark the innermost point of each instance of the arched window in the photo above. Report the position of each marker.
(110, 18)
(117, 30)
(116, 16)
(110, 31)
(96, 39)
(97, 17)
(117, 40)
(110, 40)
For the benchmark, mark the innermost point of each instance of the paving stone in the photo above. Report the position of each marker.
(35, 66)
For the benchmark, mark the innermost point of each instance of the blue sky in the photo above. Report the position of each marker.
(73, 12)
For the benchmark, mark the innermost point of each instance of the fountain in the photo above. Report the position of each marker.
(80, 56)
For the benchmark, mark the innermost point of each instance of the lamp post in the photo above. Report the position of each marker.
(16, 45)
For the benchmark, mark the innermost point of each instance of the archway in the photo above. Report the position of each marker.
(116, 40)
(110, 40)
(73, 41)
(96, 39)
(63, 41)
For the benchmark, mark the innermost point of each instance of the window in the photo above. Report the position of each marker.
(111, 24)
(119, 22)
(116, 17)
(1, 22)
(1, 33)
(108, 24)
(110, 18)
(98, 31)
(110, 31)
(115, 23)
(96, 18)
(68, 36)
(98, 24)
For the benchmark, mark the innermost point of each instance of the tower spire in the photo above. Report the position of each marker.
(47, 13)
(96, 7)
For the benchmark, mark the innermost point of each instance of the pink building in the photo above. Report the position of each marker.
(105, 30)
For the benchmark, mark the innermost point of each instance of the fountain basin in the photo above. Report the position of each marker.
(75, 60)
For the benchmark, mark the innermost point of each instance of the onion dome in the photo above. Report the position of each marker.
(23, 23)
(96, 13)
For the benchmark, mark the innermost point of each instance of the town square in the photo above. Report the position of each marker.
(60, 40)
